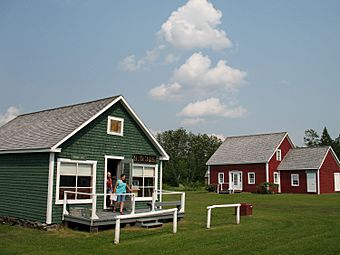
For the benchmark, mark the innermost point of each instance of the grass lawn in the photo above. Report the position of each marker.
(281, 224)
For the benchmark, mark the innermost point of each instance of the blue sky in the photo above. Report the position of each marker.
(218, 67)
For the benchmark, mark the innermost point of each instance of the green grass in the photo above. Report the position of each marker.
(281, 224)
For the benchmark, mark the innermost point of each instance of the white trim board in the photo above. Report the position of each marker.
(94, 174)
(165, 156)
(30, 151)
(50, 189)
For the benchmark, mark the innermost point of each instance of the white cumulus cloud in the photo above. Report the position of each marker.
(195, 25)
(192, 121)
(10, 114)
(197, 71)
(166, 92)
(211, 107)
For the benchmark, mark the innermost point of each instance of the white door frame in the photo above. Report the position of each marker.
(308, 181)
(105, 174)
(240, 180)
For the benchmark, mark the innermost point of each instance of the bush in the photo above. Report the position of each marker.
(211, 188)
(267, 188)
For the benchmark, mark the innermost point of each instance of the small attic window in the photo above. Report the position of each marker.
(115, 126)
(278, 155)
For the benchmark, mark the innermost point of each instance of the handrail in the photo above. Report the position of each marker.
(209, 208)
(94, 202)
(168, 192)
(128, 216)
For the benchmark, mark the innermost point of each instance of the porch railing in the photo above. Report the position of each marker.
(93, 198)
(167, 192)
(223, 186)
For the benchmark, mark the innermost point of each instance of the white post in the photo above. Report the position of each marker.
(174, 227)
(209, 218)
(117, 231)
(65, 212)
(238, 215)
(154, 194)
(133, 201)
(182, 203)
(94, 207)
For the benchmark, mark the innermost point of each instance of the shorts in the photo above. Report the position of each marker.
(121, 198)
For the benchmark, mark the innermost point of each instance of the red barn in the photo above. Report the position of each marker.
(243, 162)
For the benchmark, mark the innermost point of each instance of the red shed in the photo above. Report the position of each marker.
(310, 170)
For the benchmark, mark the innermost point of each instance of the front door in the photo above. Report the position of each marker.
(235, 180)
(311, 182)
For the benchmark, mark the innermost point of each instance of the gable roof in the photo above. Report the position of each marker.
(248, 149)
(48, 129)
(304, 158)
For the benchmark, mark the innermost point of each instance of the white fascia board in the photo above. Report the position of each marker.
(277, 147)
(87, 122)
(30, 151)
(164, 156)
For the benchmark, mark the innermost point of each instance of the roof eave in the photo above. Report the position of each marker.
(38, 150)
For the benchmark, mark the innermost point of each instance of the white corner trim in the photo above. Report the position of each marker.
(209, 175)
(50, 189)
(267, 172)
(318, 176)
(161, 180)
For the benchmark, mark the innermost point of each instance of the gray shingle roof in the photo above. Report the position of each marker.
(303, 158)
(44, 129)
(246, 149)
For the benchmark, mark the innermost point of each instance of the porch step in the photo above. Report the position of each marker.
(149, 223)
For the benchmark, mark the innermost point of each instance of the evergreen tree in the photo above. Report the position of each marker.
(326, 138)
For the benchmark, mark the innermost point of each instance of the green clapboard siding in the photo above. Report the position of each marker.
(93, 143)
(24, 185)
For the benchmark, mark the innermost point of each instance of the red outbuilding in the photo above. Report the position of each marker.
(242, 163)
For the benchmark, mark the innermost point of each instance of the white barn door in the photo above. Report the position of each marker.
(311, 182)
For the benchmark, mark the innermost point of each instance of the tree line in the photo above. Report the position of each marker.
(312, 139)
(188, 154)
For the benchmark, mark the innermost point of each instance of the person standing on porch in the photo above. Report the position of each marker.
(120, 190)
(109, 189)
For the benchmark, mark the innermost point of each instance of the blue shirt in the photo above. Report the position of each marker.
(121, 187)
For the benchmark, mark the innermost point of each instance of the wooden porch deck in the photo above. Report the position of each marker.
(107, 218)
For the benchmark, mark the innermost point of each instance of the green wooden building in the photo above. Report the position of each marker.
(72, 148)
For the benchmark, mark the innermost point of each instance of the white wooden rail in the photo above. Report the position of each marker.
(166, 192)
(209, 208)
(147, 214)
(93, 201)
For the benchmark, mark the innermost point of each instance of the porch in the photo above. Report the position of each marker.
(94, 218)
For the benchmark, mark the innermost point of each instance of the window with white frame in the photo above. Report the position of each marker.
(143, 179)
(76, 176)
(251, 178)
(295, 182)
(221, 177)
(276, 178)
(115, 126)
(278, 155)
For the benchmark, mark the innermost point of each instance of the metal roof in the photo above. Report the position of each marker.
(247, 149)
